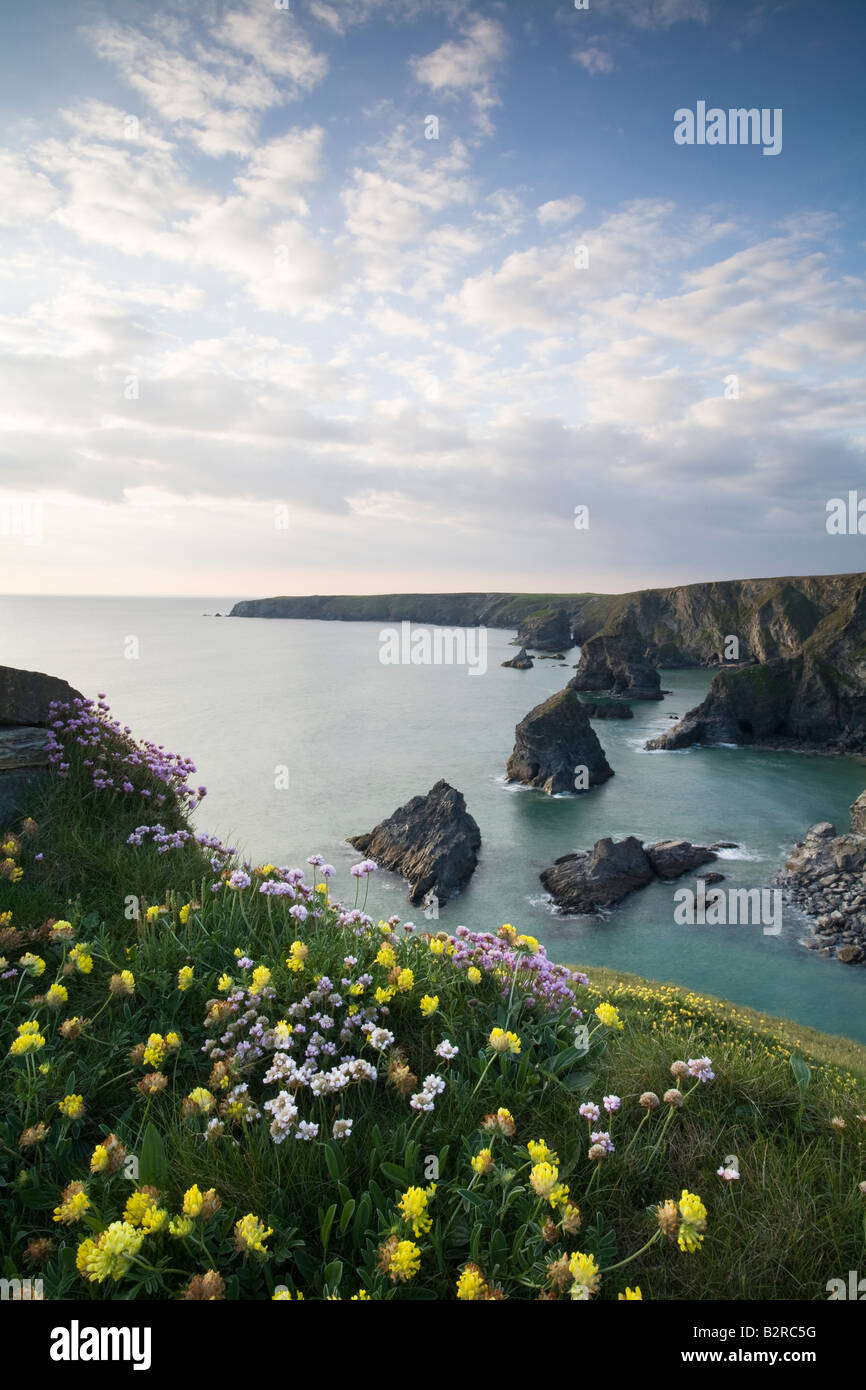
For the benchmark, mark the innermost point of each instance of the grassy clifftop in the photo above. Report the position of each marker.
(228, 1081)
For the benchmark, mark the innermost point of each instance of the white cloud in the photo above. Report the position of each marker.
(558, 211)
(467, 66)
(593, 60)
(27, 194)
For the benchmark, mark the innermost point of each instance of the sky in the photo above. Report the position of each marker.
(351, 296)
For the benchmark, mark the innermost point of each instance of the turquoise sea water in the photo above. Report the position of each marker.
(244, 697)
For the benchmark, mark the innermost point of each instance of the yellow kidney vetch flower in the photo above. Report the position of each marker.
(472, 1287)
(223, 983)
(406, 980)
(438, 945)
(585, 1275)
(122, 984)
(250, 1235)
(693, 1223)
(260, 980)
(71, 1106)
(483, 1161)
(81, 957)
(543, 1178)
(33, 964)
(384, 996)
(540, 1153)
(154, 1052)
(29, 1039)
(386, 955)
(429, 1004)
(473, 975)
(529, 943)
(413, 1207)
(143, 1210)
(56, 995)
(184, 912)
(185, 977)
(74, 1202)
(110, 1256)
(609, 1016)
(152, 913)
(502, 1041)
(630, 1295)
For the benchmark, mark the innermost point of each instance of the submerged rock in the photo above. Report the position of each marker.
(552, 741)
(432, 841)
(609, 711)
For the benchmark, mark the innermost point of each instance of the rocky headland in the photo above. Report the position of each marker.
(588, 880)
(552, 741)
(618, 667)
(25, 697)
(825, 876)
(432, 841)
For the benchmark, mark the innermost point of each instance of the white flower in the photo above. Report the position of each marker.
(380, 1038)
(306, 1130)
(434, 1084)
(342, 1129)
(422, 1101)
(284, 1112)
(729, 1174)
(446, 1050)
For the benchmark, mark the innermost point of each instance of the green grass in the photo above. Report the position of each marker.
(794, 1219)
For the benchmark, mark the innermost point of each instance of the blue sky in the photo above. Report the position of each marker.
(261, 335)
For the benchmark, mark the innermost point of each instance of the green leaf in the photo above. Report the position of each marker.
(498, 1248)
(346, 1215)
(802, 1073)
(152, 1162)
(395, 1173)
(362, 1219)
(327, 1222)
(335, 1161)
(333, 1275)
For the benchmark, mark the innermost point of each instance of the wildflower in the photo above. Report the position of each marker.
(405, 980)
(181, 1226)
(473, 975)
(199, 1102)
(571, 1218)
(472, 1287)
(29, 1040)
(143, 1209)
(342, 1129)
(446, 1050)
(62, 931)
(679, 1070)
(34, 965)
(172, 1042)
(71, 1028)
(693, 1222)
(154, 1052)
(603, 1138)
(483, 1161)
(71, 1106)
(595, 1152)
(543, 1178)
(400, 1076)
(630, 1295)
(529, 944)
(108, 1157)
(609, 1016)
(590, 1111)
(282, 1034)
(29, 1138)
(673, 1097)
(261, 979)
(503, 1121)
(110, 1256)
(501, 1041)
(400, 1259)
(184, 977)
(668, 1218)
(437, 945)
(386, 956)
(223, 983)
(413, 1206)
(56, 995)
(74, 1202)
(702, 1068)
(209, 1287)
(380, 1038)
(838, 1124)
(151, 914)
(153, 1082)
(507, 932)
(729, 1174)
(649, 1100)
(251, 1234)
(585, 1276)
(611, 1104)
(122, 984)
(540, 1153)
(429, 1004)
(299, 950)
(862, 1187)
(39, 1250)
(384, 996)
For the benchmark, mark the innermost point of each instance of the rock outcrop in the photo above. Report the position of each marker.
(610, 710)
(585, 881)
(825, 876)
(617, 666)
(432, 841)
(522, 662)
(552, 741)
(549, 629)
(25, 697)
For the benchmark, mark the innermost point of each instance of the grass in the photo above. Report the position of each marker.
(181, 1001)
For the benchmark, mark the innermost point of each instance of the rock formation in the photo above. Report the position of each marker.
(617, 666)
(608, 711)
(549, 629)
(596, 878)
(432, 841)
(522, 662)
(24, 715)
(825, 876)
(552, 741)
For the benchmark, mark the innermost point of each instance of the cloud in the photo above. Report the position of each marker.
(467, 66)
(593, 60)
(559, 211)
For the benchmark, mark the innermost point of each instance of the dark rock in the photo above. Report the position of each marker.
(617, 666)
(673, 858)
(549, 628)
(609, 711)
(849, 955)
(432, 841)
(724, 844)
(26, 695)
(600, 877)
(552, 741)
(713, 878)
(551, 656)
(858, 815)
(521, 662)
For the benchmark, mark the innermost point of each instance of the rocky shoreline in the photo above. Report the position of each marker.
(825, 876)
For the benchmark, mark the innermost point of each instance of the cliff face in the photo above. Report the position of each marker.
(680, 626)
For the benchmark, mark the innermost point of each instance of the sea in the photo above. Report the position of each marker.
(304, 736)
